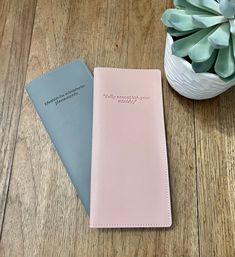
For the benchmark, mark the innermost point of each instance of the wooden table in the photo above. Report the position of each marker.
(40, 214)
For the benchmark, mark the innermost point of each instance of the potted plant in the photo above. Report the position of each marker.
(200, 47)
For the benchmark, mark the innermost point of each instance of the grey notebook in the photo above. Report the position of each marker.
(63, 99)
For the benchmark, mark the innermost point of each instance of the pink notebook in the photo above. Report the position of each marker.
(129, 178)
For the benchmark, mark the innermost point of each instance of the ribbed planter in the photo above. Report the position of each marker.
(187, 82)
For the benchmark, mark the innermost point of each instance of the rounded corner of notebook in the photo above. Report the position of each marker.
(169, 223)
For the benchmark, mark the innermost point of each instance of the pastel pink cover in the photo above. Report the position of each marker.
(129, 179)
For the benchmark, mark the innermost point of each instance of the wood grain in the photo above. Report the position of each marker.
(215, 140)
(44, 217)
(16, 25)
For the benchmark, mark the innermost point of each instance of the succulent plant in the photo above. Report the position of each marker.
(204, 32)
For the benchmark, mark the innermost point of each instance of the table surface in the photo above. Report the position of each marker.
(40, 214)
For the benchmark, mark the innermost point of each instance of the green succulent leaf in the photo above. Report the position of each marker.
(205, 66)
(227, 8)
(225, 63)
(176, 33)
(207, 5)
(182, 22)
(182, 46)
(232, 26)
(170, 15)
(202, 50)
(233, 44)
(202, 21)
(165, 17)
(220, 38)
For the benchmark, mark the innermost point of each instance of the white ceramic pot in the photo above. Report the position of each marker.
(187, 82)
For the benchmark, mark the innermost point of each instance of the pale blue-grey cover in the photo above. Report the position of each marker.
(63, 98)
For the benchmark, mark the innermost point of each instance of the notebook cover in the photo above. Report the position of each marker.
(63, 99)
(129, 179)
